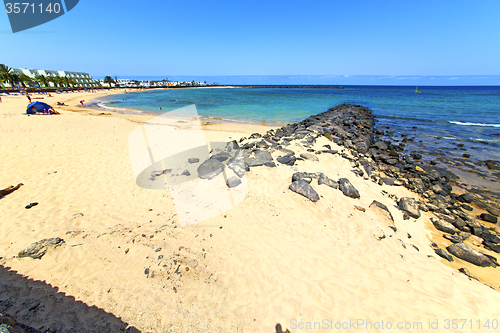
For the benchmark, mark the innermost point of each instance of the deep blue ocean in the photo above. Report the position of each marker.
(438, 117)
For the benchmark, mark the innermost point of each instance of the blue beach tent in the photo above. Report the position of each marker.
(39, 107)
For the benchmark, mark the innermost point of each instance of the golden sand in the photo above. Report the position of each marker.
(275, 258)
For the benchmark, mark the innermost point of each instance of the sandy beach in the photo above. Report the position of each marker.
(276, 257)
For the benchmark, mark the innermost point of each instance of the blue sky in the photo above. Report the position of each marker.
(234, 38)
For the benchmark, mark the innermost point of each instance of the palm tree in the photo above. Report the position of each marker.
(108, 79)
(68, 81)
(23, 79)
(42, 79)
(15, 79)
(7, 75)
(56, 80)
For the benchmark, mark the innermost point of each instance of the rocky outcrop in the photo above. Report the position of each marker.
(373, 156)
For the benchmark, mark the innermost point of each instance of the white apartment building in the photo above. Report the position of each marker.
(81, 79)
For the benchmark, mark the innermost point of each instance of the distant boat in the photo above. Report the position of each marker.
(417, 91)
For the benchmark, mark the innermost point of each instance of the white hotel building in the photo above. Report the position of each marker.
(81, 79)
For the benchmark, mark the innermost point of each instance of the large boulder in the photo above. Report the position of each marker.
(488, 218)
(260, 157)
(288, 160)
(467, 253)
(210, 168)
(303, 188)
(38, 249)
(410, 206)
(444, 226)
(347, 188)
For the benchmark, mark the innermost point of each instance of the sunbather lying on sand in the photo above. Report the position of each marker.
(49, 111)
(10, 189)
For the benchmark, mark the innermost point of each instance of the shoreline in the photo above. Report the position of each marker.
(469, 179)
(125, 252)
(207, 120)
(473, 177)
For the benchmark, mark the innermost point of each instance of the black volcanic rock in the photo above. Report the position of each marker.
(38, 249)
(488, 218)
(303, 188)
(444, 226)
(288, 160)
(210, 168)
(410, 206)
(260, 157)
(307, 176)
(347, 188)
(467, 253)
(466, 197)
(324, 180)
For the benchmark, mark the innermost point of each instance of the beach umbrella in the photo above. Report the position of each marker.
(38, 107)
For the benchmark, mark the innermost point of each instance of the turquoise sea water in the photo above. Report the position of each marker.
(439, 116)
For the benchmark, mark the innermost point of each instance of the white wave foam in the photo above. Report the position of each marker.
(474, 124)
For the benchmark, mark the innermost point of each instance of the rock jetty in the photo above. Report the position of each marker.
(381, 161)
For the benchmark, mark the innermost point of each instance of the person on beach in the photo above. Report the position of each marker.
(81, 102)
(28, 97)
(45, 111)
(9, 189)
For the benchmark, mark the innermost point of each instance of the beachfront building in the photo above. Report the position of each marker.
(82, 79)
(79, 79)
(127, 83)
